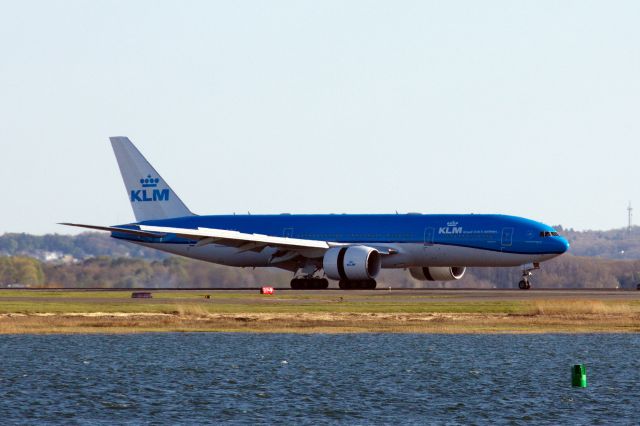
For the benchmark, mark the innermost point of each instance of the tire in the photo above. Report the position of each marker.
(523, 285)
(356, 284)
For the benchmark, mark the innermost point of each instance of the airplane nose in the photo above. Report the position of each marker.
(563, 244)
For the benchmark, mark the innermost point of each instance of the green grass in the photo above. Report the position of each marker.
(189, 313)
(168, 302)
(58, 302)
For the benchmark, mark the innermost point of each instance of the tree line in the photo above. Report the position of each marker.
(597, 259)
(613, 244)
(567, 271)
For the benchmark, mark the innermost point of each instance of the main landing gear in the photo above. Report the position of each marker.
(525, 282)
(309, 283)
(357, 284)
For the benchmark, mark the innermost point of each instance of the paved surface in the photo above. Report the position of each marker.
(307, 296)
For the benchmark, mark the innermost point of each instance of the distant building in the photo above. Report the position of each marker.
(15, 285)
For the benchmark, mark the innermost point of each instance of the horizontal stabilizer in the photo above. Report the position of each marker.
(117, 229)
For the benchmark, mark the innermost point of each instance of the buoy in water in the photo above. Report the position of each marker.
(579, 376)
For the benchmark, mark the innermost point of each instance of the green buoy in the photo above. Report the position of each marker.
(579, 376)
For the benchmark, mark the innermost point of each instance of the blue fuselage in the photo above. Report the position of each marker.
(428, 239)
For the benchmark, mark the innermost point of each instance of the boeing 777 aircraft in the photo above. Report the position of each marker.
(350, 249)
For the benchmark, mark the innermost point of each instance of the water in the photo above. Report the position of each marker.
(317, 379)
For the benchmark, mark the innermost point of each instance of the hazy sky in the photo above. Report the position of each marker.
(525, 108)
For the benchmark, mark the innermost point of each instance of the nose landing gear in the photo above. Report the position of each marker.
(525, 282)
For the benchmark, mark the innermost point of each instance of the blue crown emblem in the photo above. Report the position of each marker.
(149, 182)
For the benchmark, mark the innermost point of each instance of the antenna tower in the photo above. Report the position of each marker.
(630, 210)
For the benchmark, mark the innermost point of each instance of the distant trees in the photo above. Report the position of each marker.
(597, 259)
(174, 272)
(613, 244)
(21, 270)
(107, 272)
(85, 245)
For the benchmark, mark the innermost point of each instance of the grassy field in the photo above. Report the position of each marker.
(302, 312)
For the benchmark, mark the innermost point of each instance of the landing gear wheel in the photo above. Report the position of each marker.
(309, 283)
(525, 283)
(357, 284)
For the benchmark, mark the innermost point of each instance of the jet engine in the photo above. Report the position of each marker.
(352, 263)
(438, 273)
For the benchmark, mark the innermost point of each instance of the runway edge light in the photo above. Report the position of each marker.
(579, 376)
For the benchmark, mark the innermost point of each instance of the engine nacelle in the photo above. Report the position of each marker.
(438, 273)
(352, 263)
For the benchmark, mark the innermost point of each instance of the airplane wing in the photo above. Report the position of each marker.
(226, 237)
(287, 247)
(117, 229)
(255, 242)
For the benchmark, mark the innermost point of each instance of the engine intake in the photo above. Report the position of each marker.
(438, 273)
(352, 263)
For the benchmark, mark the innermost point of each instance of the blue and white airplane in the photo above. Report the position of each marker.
(351, 249)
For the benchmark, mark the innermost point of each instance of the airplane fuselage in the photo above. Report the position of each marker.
(415, 239)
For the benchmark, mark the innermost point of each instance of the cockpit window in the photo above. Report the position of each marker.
(548, 234)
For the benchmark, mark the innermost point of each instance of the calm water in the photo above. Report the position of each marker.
(304, 379)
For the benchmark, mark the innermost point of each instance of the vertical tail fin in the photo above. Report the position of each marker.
(149, 194)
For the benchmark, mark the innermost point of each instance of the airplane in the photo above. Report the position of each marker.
(316, 248)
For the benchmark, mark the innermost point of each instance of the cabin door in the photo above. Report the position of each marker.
(428, 236)
(507, 237)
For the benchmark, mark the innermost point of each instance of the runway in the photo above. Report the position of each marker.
(284, 295)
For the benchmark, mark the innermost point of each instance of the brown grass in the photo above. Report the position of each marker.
(191, 310)
(313, 314)
(580, 307)
(320, 323)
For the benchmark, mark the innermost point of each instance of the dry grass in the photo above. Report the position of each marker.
(580, 307)
(316, 314)
(320, 323)
(191, 310)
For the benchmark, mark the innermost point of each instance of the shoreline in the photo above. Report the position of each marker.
(323, 323)
(327, 311)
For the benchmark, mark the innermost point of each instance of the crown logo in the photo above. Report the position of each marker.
(149, 182)
(452, 223)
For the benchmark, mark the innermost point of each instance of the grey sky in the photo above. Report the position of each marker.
(525, 108)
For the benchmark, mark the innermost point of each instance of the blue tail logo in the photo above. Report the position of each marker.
(149, 191)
